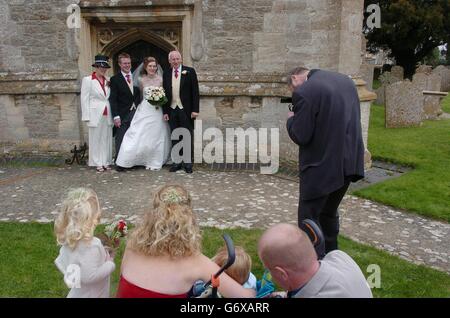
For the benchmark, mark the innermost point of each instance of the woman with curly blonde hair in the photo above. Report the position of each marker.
(163, 257)
(82, 259)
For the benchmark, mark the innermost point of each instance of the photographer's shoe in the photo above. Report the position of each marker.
(188, 167)
(176, 167)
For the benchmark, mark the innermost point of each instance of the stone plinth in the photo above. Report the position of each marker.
(366, 98)
(367, 71)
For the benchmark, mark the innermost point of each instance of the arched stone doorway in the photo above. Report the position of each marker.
(139, 41)
(138, 51)
(139, 44)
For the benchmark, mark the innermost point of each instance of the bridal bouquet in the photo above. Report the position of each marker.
(113, 233)
(155, 96)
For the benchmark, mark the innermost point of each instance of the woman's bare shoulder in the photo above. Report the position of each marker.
(204, 266)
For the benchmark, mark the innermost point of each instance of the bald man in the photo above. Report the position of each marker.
(287, 252)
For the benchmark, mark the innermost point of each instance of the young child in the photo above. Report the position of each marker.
(240, 271)
(82, 258)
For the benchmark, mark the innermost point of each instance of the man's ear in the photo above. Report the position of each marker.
(281, 274)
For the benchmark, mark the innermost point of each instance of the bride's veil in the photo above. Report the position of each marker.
(137, 75)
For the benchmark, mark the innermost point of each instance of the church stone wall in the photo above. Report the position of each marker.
(266, 36)
(35, 37)
(38, 90)
(245, 49)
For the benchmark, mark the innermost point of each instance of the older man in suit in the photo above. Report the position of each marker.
(326, 124)
(181, 86)
(287, 252)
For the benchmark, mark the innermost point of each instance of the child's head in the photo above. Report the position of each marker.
(240, 270)
(169, 228)
(79, 215)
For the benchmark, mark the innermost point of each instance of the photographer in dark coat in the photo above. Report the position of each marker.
(326, 124)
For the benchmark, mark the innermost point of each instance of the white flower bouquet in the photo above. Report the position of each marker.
(155, 96)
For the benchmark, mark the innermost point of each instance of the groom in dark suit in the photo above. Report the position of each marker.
(124, 99)
(181, 86)
(326, 124)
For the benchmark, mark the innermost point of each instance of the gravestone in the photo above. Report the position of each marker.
(431, 104)
(386, 79)
(398, 72)
(404, 105)
(444, 73)
(425, 69)
(420, 81)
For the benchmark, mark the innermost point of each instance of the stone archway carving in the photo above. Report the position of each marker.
(107, 29)
(134, 35)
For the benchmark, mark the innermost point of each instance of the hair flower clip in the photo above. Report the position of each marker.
(172, 197)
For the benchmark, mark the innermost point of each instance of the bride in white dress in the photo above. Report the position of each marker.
(147, 141)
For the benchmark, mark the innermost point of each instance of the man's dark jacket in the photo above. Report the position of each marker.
(189, 90)
(327, 127)
(121, 98)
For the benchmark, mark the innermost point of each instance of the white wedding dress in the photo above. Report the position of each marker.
(147, 140)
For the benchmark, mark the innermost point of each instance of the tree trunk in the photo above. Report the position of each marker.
(448, 51)
(408, 62)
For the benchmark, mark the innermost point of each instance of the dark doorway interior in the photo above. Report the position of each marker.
(140, 49)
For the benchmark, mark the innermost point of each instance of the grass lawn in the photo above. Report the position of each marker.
(446, 104)
(426, 189)
(376, 84)
(27, 252)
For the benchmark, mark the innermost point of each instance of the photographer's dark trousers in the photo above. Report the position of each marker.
(324, 211)
(179, 119)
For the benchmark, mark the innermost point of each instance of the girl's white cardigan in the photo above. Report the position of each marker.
(86, 269)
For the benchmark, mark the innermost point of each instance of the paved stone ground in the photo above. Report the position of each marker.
(221, 199)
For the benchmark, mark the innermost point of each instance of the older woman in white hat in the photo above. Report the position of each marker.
(96, 111)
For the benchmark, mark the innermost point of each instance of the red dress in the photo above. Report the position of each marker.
(102, 84)
(129, 290)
